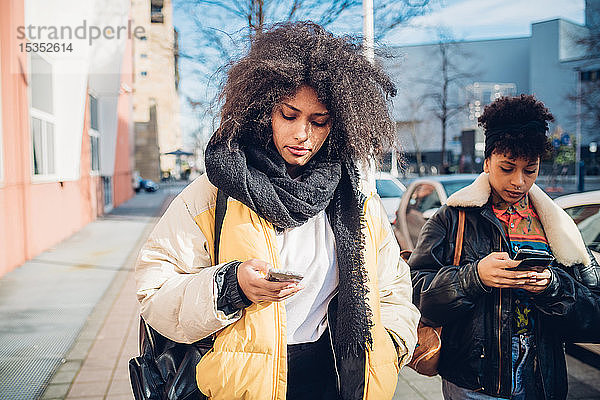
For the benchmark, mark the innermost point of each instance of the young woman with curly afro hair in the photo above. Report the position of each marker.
(307, 297)
(505, 320)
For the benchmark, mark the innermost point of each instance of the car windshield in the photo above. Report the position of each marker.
(387, 188)
(454, 186)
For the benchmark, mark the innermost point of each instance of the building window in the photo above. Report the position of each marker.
(156, 15)
(108, 192)
(93, 112)
(94, 135)
(42, 116)
(479, 94)
(144, 55)
(143, 37)
(144, 73)
(590, 76)
(42, 133)
(95, 151)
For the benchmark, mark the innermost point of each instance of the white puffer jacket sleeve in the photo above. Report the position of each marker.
(175, 280)
(398, 314)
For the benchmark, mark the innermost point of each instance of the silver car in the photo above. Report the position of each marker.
(421, 200)
(390, 190)
(584, 208)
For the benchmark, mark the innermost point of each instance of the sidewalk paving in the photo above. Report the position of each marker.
(45, 303)
(102, 371)
(70, 317)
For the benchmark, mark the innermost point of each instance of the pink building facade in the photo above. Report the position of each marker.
(50, 181)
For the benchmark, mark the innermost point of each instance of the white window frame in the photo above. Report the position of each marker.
(107, 193)
(46, 118)
(94, 134)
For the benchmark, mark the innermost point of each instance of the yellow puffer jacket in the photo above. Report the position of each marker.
(177, 292)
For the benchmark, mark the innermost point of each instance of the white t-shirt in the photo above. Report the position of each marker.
(310, 250)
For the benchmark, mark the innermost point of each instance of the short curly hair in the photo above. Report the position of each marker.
(510, 116)
(290, 55)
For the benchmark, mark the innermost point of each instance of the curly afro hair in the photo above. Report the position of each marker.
(522, 122)
(289, 55)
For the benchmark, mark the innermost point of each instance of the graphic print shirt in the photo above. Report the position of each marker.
(525, 231)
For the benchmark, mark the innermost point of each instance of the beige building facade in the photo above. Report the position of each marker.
(155, 88)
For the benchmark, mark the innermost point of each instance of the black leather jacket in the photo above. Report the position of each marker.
(476, 320)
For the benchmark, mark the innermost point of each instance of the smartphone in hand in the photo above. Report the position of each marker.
(283, 276)
(532, 260)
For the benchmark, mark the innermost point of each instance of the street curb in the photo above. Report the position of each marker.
(58, 386)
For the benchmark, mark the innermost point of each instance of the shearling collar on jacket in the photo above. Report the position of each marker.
(563, 236)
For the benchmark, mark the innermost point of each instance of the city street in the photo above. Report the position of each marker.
(109, 108)
(70, 316)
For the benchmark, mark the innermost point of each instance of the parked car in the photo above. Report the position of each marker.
(421, 200)
(584, 208)
(390, 190)
(148, 185)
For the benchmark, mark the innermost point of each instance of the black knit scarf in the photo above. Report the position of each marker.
(257, 177)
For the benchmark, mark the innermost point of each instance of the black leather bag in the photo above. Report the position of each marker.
(166, 370)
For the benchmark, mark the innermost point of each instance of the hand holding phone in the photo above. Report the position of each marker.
(251, 276)
(532, 260)
(498, 270)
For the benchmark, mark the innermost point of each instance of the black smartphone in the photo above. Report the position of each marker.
(532, 260)
(275, 275)
(530, 253)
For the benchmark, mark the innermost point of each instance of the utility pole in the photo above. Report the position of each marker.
(578, 162)
(368, 30)
(369, 48)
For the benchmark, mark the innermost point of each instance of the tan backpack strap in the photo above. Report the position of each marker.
(460, 233)
(405, 254)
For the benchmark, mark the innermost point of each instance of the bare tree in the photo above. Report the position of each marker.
(254, 14)
(449, 77)
(414, 109)
(589, 93)
(586, 97)
(224, 28)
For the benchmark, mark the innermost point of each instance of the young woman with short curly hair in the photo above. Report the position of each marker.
(299, 111)
(504, 326)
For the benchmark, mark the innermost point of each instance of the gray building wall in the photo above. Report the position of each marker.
(592, 14)
(551, 80)
(415, 69)
(147, 159)
(543, 64)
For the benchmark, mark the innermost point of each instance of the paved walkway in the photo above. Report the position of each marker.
(70, 317)
(99, 370)
(53, 306)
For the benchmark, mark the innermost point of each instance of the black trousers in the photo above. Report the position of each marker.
(311, 371)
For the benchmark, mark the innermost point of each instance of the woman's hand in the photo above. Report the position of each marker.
(251, 278)
(542, 280)
(493, 272)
